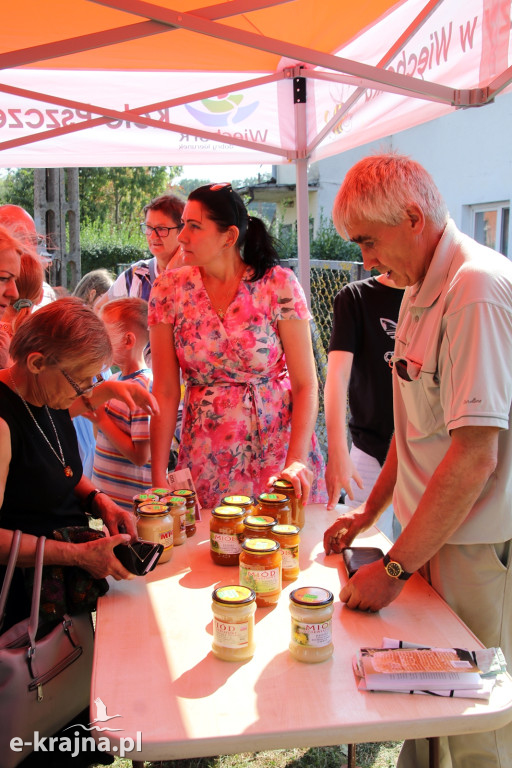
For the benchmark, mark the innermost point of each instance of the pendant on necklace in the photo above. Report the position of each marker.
(68, 471)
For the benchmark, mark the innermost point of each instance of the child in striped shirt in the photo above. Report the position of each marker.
(122, 465)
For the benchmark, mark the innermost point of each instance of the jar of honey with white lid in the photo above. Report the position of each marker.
(275, 505)
(155, 523)
(287, 536)
(311, 610)
(233, 622)
(226, 534)
(258, 526)
(298, 514)
(261, 569)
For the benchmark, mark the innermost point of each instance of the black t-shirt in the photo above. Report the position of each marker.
(365, 317)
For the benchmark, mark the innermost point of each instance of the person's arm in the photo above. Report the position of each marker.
(296, 340)
(448, 498)
(166, 389)
(129, 392)
(136, 451)
(339, 471)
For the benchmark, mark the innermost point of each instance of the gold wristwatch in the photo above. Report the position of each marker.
(394, 569)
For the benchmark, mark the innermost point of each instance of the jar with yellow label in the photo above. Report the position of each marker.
(226, 534)
(287, 536)
(298, 514)
(143, 498)
(275, 505)
(247, 503)
(154, 523)
(258, 526)
(311, 609)
(190, 506)
(178, 511)
(233, 622)
(261, 569)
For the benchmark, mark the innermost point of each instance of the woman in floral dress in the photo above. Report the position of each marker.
(237, 325)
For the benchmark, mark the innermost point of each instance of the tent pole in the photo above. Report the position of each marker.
(301, 185)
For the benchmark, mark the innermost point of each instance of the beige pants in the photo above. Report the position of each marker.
(476, 581)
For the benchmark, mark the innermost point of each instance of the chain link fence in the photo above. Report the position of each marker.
(327, 278)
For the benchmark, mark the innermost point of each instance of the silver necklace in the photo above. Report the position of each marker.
(60, 456)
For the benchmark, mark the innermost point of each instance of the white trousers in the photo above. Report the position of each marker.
(369, 470)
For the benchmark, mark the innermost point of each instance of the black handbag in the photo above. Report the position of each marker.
(44, 681)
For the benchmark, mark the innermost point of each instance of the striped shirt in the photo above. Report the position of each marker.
(112, 472)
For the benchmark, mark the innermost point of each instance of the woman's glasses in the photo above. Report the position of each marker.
(225, 186)
(78, 389)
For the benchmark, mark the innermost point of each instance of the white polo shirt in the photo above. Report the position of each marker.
(455, 333)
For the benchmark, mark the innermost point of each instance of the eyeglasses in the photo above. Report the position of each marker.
(225, 186)
(78, 389)
(160, 231)
(400, 367)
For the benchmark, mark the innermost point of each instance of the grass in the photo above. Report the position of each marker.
(376, 755)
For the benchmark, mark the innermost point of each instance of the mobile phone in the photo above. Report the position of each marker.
(355, 557)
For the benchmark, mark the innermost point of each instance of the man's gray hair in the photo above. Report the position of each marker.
(380, 189)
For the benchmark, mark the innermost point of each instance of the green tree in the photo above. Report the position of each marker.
(18, 188)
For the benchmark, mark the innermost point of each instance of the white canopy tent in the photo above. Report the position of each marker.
(273, 81)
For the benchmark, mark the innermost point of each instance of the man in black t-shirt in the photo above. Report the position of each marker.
(362, 342)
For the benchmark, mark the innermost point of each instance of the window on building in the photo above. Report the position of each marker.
(491, 224)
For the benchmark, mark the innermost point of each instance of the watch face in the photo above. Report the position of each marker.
(394, 569)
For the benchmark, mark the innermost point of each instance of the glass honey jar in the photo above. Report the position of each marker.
(287, 536)
(247, 503)
(190, 509)
(258, 526)
(233, 622)
(159, 492)
(178, 511)
(261, 569)
(155, 523)
(226, 534)
(143, 498)
(298, 513)
(275, 505)
(311, 610)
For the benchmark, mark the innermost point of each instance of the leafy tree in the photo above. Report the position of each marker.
(18, 188)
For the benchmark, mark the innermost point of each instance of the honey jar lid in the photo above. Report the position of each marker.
(227, 512)
(259, 522)
(185, 492)
(285, 530)
(145, 497)
(238, 501)
(156, 508)
(260, 546)
(312, 597)
(282, 483)
(174, 501)
(234, 594)
(159, 491)
(272, 498)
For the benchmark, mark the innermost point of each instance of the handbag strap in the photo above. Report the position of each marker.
(36, 595)
(9, 571)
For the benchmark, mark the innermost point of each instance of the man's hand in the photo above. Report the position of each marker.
(339, 474)
(370, 589)
(345, 529)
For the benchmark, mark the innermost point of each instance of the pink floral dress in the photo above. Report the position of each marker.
(238, 404)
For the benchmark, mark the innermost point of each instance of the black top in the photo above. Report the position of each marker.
(365, 317)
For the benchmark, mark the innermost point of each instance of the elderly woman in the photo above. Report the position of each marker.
(237, 325)
(55, 354)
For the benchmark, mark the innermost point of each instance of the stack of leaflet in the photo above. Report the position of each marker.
(408, 668)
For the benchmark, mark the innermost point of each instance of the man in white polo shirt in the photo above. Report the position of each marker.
(449, 467)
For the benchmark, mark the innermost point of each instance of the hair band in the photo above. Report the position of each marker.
(23, 304)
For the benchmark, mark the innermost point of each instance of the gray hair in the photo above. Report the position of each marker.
(66, 332)
(380, 189)
(98, 280)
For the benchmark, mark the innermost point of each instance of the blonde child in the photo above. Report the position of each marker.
(122, 456)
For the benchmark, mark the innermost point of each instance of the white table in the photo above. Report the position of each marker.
(153, 663)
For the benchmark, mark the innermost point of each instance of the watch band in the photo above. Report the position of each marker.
(394, 569)
(88, 502)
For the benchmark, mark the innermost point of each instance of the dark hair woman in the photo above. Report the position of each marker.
(237, 325)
